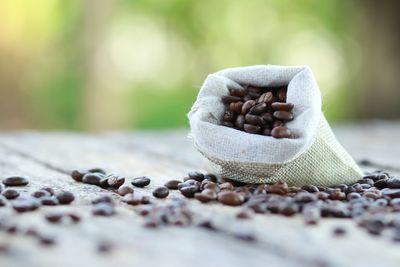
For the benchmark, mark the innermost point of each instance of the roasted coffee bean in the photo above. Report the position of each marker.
(197, 176)
(125, 189)
(46, 240)
(48, 189)
(243, 214)
(288, 208)
(280, 188)
(10, 193)
(239, 122)
(103, 199)
(254, 119)
(189, 191)
(54, 217)
(310, 188)
(253, 129)
(226, 186)
(74, 217)
(337, 194)
(236, 107)
(281, 94)
(339, 231)
(267, 117)
(211, 177)
(134, 199)
(381, 183)
(41, 193)
(247, 106)
(49, 201)
(230, 198)
(237, 92)
(227, 99)
(366, 181)
(266, 98)
(16, 181)
(97, 170)
(304, 197)
(103, 209)
(283, 115)
(281, 132)
(77, 175)
(104, 247)
(115, 181)
(104, 183)
(65, 197)
(353, 195)
(141, 181)
(26, 204)
(282, 106)
(161, 192)
(393, 182)
(92, 178)
(202, 197)
(172, 184)
(258, 109)
(393, 193)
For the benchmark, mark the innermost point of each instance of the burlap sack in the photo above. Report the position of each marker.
(312, 156)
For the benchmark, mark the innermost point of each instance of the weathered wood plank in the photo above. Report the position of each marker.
(282, 241)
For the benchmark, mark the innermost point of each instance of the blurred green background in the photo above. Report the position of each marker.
(108, 64)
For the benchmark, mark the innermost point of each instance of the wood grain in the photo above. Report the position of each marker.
(47, 158)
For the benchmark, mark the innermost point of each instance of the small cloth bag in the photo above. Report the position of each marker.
(311, 156)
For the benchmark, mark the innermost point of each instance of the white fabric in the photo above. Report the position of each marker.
(229, 144)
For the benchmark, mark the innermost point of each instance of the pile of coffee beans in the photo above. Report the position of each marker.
(257, 110)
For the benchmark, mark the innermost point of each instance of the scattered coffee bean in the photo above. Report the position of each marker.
(74, 217)
(103, 209)
(54, 217)
(49, 201)
(92, 178)
(104, 247)
(141, 181)
(65, 197)
(281, 132)
(172, 184)
(115, 181)
(26, 204)
(41, 193)
(77, 175)
(97, 170)
(16, 181)
(48, 189)
(125, 189)
(46, 240)
(10, 193)
(230, 198)
(197, 176)
(161, 192)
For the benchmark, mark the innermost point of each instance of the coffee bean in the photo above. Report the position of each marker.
(103, 209)
(239, 122)
(288, 208)
(189, 191)
(104, 182)
(247, 106)
(54, 217)
(243, 214)
(258, 109)
(74, 217)
(266, 132)
(103, 199)
(77, 175)
(339, 231)
(10, 193)
(230, 198)
(161, 192)
(65, 197)
(197, 176)
(280, 188)
(267, 117)
(237, 92)
(115, 181)
(46, 240)
(393, 193)
(104, 247)
(283, 115)
(16, 181)
(125, 189)
(266, 98)
(282, 106)
(393, 182)
(227, 124)
(41, 193)
(92, 178)
(172, 184)
(134, 199)
(280, 132)
(304, 197)
(254, 119)
(26, 204)
(48, 189)
(141, 181)
(236, 107)
(277, 123)
(310, 188)
(49, 201)
(253, 129)
(227, 99)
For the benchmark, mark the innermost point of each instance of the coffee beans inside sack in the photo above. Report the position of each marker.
(264, 124)
(258, 110)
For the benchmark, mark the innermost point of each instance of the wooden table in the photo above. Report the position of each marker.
(48, 158)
